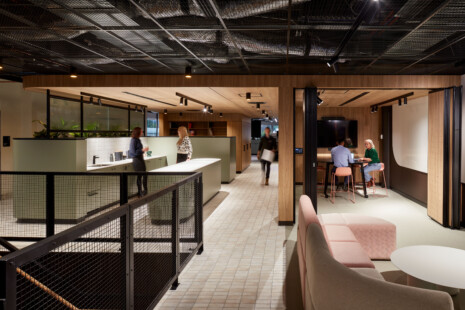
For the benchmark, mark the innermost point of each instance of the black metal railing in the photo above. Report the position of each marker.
(35, 205)
(125, 258)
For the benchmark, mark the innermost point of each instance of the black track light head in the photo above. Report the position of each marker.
(221, 114)
(99, 101)
(165, 111)
(181, 101)
(400, 102)
(248, 96)
(185, 102)
(405, 100)
(204, 109)
(180, 113)
(258, 106)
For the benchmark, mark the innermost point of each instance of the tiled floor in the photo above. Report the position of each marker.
(245, 261)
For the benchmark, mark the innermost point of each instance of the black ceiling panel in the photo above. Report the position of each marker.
(232, 36)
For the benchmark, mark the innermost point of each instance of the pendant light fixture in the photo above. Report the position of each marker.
(188, 72)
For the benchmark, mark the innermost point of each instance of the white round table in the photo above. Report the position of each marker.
(435, 264)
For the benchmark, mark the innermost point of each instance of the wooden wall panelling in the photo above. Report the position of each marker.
(286, 153)
(435, 155)
(286, 81)
(246, 141)
(234, 129)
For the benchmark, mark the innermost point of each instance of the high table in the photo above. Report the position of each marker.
(326, 159)
(435, 264)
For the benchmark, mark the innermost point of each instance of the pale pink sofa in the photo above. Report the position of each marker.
(333, 286)
(349, 248)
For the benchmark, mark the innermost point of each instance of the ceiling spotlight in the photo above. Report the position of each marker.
(91, 100)
(336, 67)
(319, 101)
(180, 113)
(188, 72)
(165, 111)
(99, 101)
(372, 110)
(181, 101)
(248, 96)
(263, 112)
(1, 67)
(266, 115)
(258, 106)
(400, 102)
(210, 110)
(73, 73)
(376, 108)
(204, 109)
(221, 114)
(405, 100)
(185, 102)
(269, 118)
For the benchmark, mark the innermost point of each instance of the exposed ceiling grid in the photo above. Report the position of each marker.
(231, 36)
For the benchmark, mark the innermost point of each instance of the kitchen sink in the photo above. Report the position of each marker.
(100, 165)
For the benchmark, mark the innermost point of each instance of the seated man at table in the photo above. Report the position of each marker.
(341, 157)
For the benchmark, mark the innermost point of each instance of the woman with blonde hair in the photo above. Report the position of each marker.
(136, 152)
(371, 155)
(184, 145)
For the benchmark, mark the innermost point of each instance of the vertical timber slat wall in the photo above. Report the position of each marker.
(444, 154)
(286, 153)
(436, 155)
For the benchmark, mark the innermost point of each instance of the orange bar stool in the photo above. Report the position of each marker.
(381, 171)
(342, 172)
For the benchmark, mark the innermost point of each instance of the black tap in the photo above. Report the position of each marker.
(93, 159)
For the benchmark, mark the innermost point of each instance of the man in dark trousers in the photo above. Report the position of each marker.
(267, 142)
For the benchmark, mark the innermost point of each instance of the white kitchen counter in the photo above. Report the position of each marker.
(120, 162)
(189, 166)
(211, 184)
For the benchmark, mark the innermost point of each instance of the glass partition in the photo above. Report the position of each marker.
(137, 119)
(98, 120)
(65, 114)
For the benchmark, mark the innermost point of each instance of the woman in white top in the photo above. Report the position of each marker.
(184, 145)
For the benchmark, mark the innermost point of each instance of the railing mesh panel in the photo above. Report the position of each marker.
(82, 274)
(153, 255)
(78, 197)
(22, 205)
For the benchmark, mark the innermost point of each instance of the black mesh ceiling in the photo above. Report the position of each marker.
(232, 36)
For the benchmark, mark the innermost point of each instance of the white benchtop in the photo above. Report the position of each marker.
(189, 166)
(119, 162)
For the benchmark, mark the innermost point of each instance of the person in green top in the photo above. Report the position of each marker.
(371, 155)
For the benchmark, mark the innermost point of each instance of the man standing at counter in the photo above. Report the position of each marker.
(136, 152)
(267, 142)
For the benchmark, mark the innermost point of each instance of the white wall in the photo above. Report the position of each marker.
(410, 134)
(18, 109)
(463, 129)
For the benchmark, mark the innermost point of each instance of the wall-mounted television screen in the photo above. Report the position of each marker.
(330, 131)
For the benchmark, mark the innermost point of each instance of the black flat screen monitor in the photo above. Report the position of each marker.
(330, 131)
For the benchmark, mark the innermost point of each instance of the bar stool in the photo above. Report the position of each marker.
(322, 184)
(381, 170)
(342, 172)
